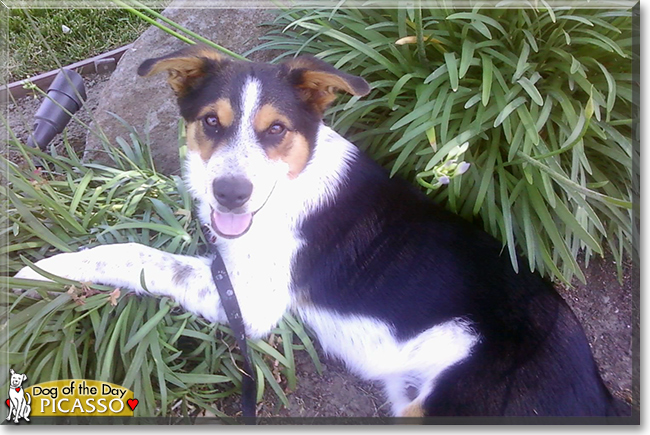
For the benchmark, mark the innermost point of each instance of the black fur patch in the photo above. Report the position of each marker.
(385, 251)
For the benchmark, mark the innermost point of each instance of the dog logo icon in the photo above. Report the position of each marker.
(19, 401)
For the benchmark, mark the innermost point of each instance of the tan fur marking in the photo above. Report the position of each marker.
(301, 62)
(294, 150)
(222, 109)
(266, 116)
(197, 142)
(181, 70)
(326, 82)
(414, 409)
(319, 88)
(186, 67)
(209, 53)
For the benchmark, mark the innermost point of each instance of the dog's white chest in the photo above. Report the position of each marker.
(259, 265)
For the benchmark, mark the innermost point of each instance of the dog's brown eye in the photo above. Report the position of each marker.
(211, 121)
(276, 128)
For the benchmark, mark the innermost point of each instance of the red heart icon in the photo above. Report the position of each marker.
(8, 402)
(18, 389)
(132, 403)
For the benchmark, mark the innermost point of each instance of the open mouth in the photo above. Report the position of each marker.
(231, 225)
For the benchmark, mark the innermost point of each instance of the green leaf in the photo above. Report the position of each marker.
(35, 226)
(531, 90)
(531, 40)
(466, 57)
(530, 232)
(569, 219)
(550, 228)
(482, 29)
(264, 347)
(423, 110)
(263, 368)
(543, 116)
(397, 88)
(605, 40)
(472, 101)
(577, 18)
(507, 217)
(47, 310)
(147, 327)
(522, 63)
(79, 191)
(299, 330)
(549, 10)
(528, 123)
(475, 17)
(487, 177)
(356, 44)
(510, 107)
(164, 229)
(611, 87)
(108, 354)
(573, 186)
(452, 69)
(438, 72)
(202, 378)
(486, 62)
(165, 212)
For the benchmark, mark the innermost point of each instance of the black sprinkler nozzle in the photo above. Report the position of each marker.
(65, 96)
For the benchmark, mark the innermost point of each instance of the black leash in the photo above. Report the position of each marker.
(233, 313)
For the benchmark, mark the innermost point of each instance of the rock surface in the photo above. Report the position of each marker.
(148, 104)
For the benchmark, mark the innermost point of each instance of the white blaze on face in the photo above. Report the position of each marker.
(250, 105)
(227, 222)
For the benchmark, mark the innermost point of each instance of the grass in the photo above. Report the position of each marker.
(91, 32)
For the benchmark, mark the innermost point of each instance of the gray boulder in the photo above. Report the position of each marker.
(148, 104)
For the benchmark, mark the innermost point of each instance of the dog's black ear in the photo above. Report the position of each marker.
(185, 67)
(319, 81)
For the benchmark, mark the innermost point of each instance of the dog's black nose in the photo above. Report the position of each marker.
(232, 192)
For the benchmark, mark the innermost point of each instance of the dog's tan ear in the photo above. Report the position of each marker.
(318, 81)
(185, 67)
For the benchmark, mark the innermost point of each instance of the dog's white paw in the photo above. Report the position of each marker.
(29, 273)
(59, 265)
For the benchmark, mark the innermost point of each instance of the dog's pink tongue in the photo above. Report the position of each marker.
(231, 224)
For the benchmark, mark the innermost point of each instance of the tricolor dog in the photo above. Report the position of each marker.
(19, 401)
(402, 291)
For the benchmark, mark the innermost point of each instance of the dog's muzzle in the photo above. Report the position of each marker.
(231, 193)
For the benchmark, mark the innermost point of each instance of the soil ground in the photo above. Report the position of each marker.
(604, 306)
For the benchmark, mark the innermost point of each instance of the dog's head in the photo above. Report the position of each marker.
(17, 379)
(249, 126)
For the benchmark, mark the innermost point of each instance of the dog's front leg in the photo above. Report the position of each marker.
(13, 410)
(145, 270)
